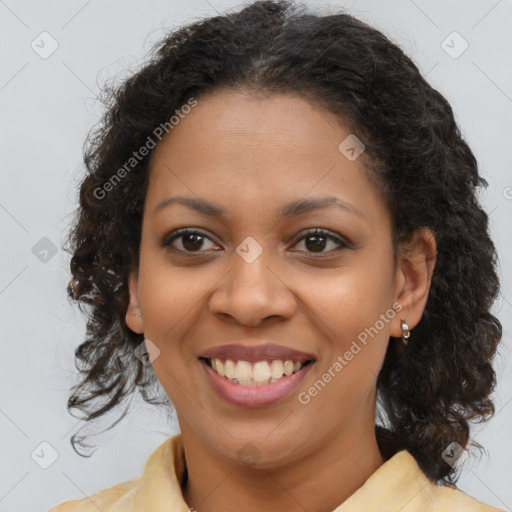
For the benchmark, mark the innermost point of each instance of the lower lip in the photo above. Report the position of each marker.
(254, 396)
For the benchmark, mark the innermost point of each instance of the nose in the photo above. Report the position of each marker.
(252, 292)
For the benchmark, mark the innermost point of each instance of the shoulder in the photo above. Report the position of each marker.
(159, 483)
(451, 499)
(399, 485)
(114, 498)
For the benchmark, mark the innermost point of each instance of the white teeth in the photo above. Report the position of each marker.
(229, 369)
(254, 374)
(276, 369)
(261, 371)
(243, 370)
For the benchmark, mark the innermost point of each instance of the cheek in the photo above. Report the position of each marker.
(353, 310)
(168, 293)
(170, 298)
(353, 347)
(352, 298)
(170, 302)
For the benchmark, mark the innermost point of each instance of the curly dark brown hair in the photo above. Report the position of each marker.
(428, 392)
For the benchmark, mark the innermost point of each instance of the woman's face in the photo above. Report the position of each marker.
(254, 276)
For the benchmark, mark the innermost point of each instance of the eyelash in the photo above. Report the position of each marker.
(169, 239)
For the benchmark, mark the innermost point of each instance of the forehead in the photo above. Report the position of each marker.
(242, 147)
(228, 116)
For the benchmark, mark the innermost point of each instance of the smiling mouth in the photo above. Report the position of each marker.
(258, 373)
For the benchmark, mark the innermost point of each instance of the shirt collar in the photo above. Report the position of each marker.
(160, 485)
(397, 485)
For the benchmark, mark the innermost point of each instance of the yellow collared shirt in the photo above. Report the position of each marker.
(398, 485)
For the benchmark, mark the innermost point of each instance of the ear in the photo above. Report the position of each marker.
(133, 318)
(415, 266)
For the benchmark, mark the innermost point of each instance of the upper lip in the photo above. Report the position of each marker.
(253, 353)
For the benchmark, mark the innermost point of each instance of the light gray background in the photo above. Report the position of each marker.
(47, 107)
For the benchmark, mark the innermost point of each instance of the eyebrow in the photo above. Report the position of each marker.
(292, 209)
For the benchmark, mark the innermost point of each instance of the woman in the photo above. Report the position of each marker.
(279, 224)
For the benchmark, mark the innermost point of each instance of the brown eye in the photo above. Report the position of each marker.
(191, 240)
(317, 240)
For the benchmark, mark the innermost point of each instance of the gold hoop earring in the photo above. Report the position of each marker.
(406, 332)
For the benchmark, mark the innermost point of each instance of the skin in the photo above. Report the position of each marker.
(251, 154)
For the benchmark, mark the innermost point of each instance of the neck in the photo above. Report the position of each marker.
(320, 480)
